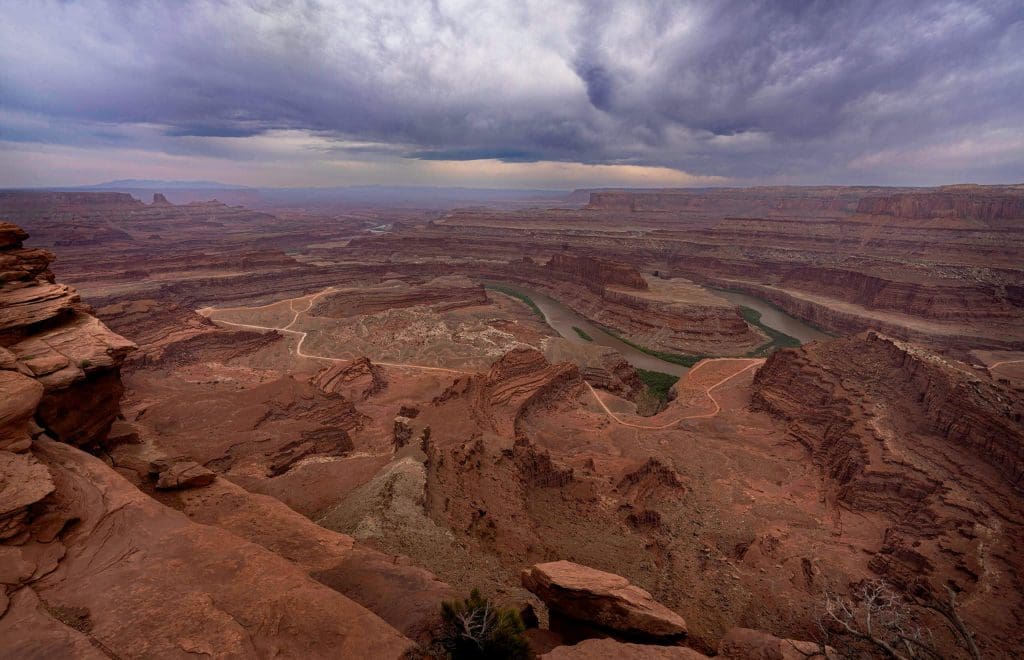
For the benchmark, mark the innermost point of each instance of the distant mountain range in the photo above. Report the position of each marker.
(150, 184)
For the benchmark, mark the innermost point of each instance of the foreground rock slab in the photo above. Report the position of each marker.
(609, 648)
(141, 580)
(747, 644)
(603, 599)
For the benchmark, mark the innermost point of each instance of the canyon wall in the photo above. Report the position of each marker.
(442, 293)
(49, 335)
(991, 206)
(933, 447)
(845, 259)
(97, 564)
(595, 273)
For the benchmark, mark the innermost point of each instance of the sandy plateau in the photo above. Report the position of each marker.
(235, 433)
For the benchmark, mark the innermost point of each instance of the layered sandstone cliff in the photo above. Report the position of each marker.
(596, 274)
(993, 206)
(968, 410)
(939, 266)
(95, 567)
(671, 315)
(930, 448)
(48, 335)
(442, 293)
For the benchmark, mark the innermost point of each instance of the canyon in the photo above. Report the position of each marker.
(297, 432)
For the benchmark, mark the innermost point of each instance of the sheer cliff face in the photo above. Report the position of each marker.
(50, 339)
(844, 385)
(59, 377)
(596, 273)
(991, 206)
(931, 446)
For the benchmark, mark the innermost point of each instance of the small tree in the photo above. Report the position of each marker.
(879, 619)
(476, 628)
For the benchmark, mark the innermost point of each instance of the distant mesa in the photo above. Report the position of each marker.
(956, 202)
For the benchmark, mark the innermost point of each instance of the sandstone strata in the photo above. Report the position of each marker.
(356, 380)
(135, 578)
(938, 266)
(993, 206)
(926, 444)
(667, 315)
(443, 293)
(729, 514)
(48, 334)
(600, 366)
(94, 567)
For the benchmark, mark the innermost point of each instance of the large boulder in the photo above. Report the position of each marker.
(605, 600)
(180, 475)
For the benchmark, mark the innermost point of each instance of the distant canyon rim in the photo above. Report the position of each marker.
(657, 423)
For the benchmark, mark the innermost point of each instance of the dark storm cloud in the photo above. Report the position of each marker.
(802, 90)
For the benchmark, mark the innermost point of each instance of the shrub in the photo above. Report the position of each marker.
(519, 295)
(656, 395)
(476, 628)
(657, 382)
(878, 621)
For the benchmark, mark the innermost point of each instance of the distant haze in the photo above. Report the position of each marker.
(516, 94)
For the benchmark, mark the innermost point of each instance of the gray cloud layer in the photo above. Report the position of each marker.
(902, 92)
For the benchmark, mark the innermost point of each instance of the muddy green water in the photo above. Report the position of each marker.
(562, 320)
(773, 317)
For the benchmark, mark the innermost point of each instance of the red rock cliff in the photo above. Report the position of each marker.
(94, 567)
(596, 273)
(988, 205)
(49, 336)
(924, 446)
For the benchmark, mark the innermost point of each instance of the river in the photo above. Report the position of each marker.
(773, 317)
(563, 320)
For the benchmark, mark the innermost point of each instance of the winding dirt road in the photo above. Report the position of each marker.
(752, 362)
(1000, 363)
(208, 312)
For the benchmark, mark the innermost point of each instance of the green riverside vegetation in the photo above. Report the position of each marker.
(518, 295)
(657, 383)
(583, 335)
(778, 339)
(674, 358)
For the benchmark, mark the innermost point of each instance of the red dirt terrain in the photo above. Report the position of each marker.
(251, 435)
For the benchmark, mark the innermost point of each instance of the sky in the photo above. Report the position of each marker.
(518, 94)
